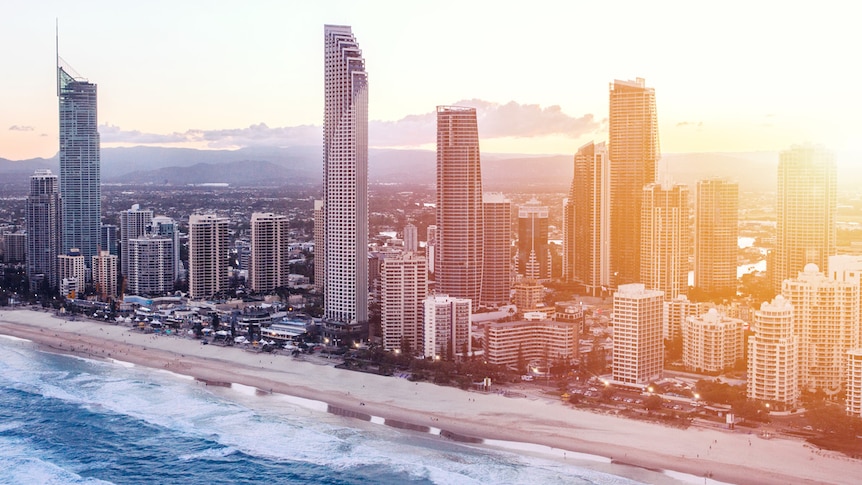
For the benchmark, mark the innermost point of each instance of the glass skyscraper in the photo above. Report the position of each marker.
(80, 174)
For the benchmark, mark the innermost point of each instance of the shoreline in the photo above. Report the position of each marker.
(524, 425)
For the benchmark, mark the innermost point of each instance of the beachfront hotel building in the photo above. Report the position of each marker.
(665, 239)
(134, 223)
(853, 399)
(209, 250)
(403, 288)
(773, 355)
(586, 221)
(80, 165)
(534, 259)
(497, 257)
(319, 252)
(542, 342)
(826, 324)
(712, 342)
(105, 275)
(44, 223)
(460, 223)
(447, 330)
(71, 273)
(269, 266)
(805, 211)
(637, 322)
(345, 183)
(633, 149)
(716, 230)
(151, 265)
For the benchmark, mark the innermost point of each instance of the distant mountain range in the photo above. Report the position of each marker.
(270, 166)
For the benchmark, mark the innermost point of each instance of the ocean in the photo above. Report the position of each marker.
(70, 420)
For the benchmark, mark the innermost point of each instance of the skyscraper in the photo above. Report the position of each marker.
(80, 172)
(637, 321)
(805, 211)
(497, 260)
(586, 223)
(665, 239)
(715, 237)
(151, 265)
(44, 224)
(403, 290)
(633, 147)
(134, 223)
(319, 251)
(773, 354)
(208, 255)
(460, 224)
(269, 252)
(345, 179)
(534, 260)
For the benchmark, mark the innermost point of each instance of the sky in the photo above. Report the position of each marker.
(729, 76)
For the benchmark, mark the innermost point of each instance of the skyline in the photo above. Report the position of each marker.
(221, 77)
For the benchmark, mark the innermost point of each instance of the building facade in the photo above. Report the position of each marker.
(773, 355)
(676, 311)
(534, 261)
(208, 255)
(497, 251)
(71, 273)
(543, 342)
(345, 179)
(80, 165)
(44, 223)
(805, 211)
(105, 268)
(460, 223)
(151, 265)
(853, 399)
(716, 224)
(319, 250)
(712, 342)
(404, 286)
(447, 330)
(134, 223)
(637, 321)
(269, 252)
(665, 239)
(633, 148)
(167, 227)
(411, 238)
(586, 221)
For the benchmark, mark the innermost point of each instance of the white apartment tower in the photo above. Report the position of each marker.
(826, 322)
(151, 265)
(134, 223)
(665, 239)
(269, 252)
(637, 321)
(71, 268)
(208, 255)
(712, 342)
(773, 355)
(402, 294)
(105, 275)
(345, 178)
(447, 326)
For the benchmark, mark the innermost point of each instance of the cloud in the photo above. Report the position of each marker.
(495, 121)
(21, 128)
(697, 124)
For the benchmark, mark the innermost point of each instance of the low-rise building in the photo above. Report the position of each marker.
(515, 344)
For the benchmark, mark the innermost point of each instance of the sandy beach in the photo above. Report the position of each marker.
(725, 456)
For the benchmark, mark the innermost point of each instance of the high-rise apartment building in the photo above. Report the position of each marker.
(826, 322)
(665, 239)
(208, 255)
(853, 399)
(460, 223)
(151, 265)
(447, 326)
(411, 238)
(167, 227)
(431, 246)
(44, 222)
(403, 288)
(80, 166)
(805, 211)
(637, 321)
(345, 180)
(676, 311)
(269, 252)
(134, 223)
(712, 342)
(105, 275)
(586, 221)
(71, 273)
(773, 355)
(319, 251)
(633, 147)
(534, 259)
(715, 237)
(497, 250)
(15, 246)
